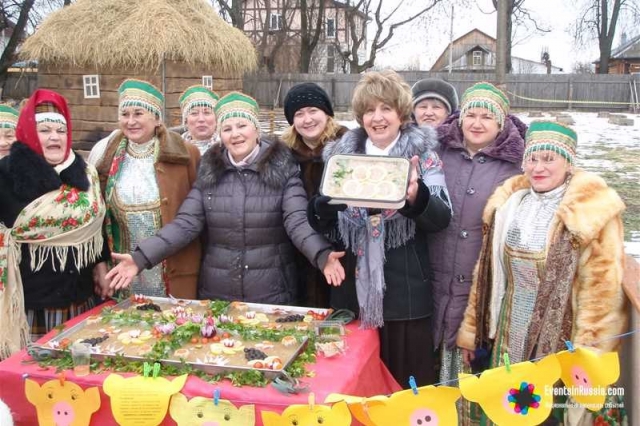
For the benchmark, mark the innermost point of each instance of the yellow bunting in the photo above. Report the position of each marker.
(61, 402)
(141, 401)
(587, 375)
(303, 415)
(432, 405)
(523, 396)
(199, 410)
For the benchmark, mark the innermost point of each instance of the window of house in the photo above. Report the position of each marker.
(331, 58)
(207, 81)
(477, 57)
(275, 23)
(331, 28)
(91, 84)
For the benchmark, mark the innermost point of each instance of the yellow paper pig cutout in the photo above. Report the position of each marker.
(141, 401)
(356, 405)
(62, 404)
(523, 396)
(431, 406)
(303, 415)
(587, 375)
(200, 411)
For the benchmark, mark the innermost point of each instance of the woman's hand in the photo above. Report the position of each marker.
(122, 274)
(333, 270)
(467, 356)
(100, 282)
(412, 189)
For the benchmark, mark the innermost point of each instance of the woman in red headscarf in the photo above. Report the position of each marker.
(50, 226)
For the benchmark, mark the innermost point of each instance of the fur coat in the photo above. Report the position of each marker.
(590, 212)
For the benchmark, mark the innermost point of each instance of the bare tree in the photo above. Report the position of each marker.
(582, 68)
(385, 25)
(272, 31)
(311, 26)
(518, 17)
(233, 11)
(10, 10)
(599, 19)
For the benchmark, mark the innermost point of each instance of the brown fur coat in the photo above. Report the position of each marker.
(591, 213)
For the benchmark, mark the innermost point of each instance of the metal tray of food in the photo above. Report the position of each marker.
(371, 181)
(116, 331)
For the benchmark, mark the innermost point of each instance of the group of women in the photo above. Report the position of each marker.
(482, 260)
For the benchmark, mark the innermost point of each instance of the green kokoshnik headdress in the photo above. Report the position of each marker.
(551, 136)
(237, 105)
(8, 117)
(196, 96)
(485, 95)
(138, 93)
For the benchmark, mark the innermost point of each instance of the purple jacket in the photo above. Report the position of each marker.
(471, 181)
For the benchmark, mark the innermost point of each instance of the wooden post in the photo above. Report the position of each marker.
(501, 54)
(570, 94)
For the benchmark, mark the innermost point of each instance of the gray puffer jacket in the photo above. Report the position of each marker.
(471, 181)
(252, 215)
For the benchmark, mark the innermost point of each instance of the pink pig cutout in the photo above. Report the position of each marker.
(580, 377)
(423, 417)
(63, 414)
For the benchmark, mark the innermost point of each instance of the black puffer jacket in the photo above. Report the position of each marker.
(251, 216)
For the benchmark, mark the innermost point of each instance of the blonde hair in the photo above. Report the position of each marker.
(384, 86)
(291, 135)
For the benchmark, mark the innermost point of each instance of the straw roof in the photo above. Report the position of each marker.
(138, 34)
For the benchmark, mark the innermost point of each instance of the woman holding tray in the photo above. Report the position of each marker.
(51, 217)
(388, 275)
(250, 200)
(309, 112)
(552, 260)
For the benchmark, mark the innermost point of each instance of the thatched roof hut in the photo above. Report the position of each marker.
(87, 49)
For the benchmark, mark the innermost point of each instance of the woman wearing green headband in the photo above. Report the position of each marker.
(250, 201)
(551, 263)
(481, 146)
(197, 104)
(146, 172)
(8, 121)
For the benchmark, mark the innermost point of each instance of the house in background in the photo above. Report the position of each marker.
(178, 43)
(276, 24)
(624, 59)
(476, 52)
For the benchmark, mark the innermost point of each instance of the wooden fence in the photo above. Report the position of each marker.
(587, 92)
(20, 85)
(584, 92)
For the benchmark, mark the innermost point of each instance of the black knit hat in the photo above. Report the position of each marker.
(434, 88)
(306, 95)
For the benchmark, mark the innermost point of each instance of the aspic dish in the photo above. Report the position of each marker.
(366, 180)
(211, 341)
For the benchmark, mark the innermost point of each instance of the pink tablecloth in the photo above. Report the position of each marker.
(359, 372)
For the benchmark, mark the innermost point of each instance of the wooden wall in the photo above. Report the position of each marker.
(94, 119)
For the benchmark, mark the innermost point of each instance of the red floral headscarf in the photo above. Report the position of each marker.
(26, 130)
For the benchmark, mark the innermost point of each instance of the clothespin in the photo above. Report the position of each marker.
(62, 377)
(216, 397)
(146, 369)
(569, 346)
(412, 383)
(507, 363)
(156, 369)
(25, 376)
(312, 400)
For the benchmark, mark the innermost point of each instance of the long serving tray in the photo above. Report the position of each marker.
(199, 358)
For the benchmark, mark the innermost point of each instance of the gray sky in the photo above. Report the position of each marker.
(425, 41)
